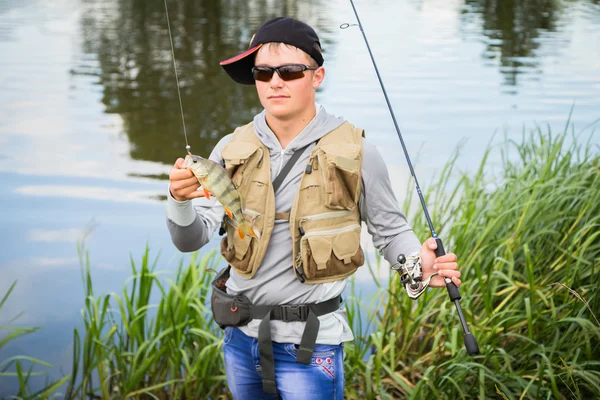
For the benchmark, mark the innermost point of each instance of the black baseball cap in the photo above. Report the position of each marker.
(281, 29)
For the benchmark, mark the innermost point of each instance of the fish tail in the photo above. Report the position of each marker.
(246, 229)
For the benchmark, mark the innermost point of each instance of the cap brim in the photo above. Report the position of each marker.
(239, 67)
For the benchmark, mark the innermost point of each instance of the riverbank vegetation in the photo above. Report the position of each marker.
(529, 246)
(528, 239)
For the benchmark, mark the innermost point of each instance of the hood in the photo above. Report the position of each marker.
(321, 124)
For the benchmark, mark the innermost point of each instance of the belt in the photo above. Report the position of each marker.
(289, 313)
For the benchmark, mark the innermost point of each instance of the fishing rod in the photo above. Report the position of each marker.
(410, 276)
(187, 146)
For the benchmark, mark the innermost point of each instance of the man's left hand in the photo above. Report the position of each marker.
(445, 265)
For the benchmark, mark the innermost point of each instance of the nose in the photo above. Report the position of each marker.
(276, 80)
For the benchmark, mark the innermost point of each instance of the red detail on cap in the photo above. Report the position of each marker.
(240, 56)
(233, 309)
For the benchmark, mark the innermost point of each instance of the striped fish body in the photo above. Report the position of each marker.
(216, 182)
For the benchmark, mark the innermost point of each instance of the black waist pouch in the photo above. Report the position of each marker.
(228, 310)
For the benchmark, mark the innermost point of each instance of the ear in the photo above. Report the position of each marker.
(318, 77)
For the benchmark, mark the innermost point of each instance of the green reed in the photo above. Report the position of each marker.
(133, 349)
(23, 368)
(528, 242)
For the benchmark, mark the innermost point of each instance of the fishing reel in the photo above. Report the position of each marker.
(411, 275)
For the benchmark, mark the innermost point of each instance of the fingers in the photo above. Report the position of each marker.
(430, 244)
(180, 184)
(449, 273)
(438, 281)
(179, 163)
(195, 194)
(447, 267)
(186, 191)
(441, 266)
(183, 184)
(180, 189)
(446, 258)
(178, 174)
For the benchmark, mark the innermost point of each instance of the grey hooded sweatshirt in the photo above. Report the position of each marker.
(192, 224)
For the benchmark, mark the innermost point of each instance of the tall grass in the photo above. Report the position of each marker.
(23, 368)
(131, 348)
(528, 243)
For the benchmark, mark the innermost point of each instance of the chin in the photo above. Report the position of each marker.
(280, 112)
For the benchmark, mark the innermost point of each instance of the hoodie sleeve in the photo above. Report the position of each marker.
(193, 222)
(379, 209)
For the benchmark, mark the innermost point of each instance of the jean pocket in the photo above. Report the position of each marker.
(322, 351)
(324, 361)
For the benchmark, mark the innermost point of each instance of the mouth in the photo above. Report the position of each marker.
(278, 97)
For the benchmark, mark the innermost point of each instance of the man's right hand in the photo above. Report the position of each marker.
(183, 183)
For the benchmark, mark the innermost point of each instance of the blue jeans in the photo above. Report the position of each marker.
(322, 379)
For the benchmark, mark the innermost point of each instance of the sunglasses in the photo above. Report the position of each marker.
(287, 72)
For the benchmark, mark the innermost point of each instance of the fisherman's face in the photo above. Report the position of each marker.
(286, 100)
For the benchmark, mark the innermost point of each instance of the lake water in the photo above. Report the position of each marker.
(90, 121)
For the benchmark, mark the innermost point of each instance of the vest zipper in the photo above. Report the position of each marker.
(299, 268)
(332, 231)
(325, 215)
(250, 212)
(281, 163)
(322, 165)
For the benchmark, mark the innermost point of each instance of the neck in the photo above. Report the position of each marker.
(287, 129)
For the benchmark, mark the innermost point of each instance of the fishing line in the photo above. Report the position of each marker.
(187, 146)
(470, 342)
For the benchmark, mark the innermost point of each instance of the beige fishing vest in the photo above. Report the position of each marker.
(324, 220)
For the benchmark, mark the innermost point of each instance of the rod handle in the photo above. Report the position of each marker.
(452, 289)
(471, 344)
(440, 247)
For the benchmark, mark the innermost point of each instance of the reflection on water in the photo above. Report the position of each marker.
(513, 29)
(127, 45)
(131, 43)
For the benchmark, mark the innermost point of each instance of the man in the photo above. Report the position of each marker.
(284, 326)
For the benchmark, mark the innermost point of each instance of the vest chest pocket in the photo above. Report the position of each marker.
(340, 167)
(309, 192)
(238, 156)
(334, 253)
